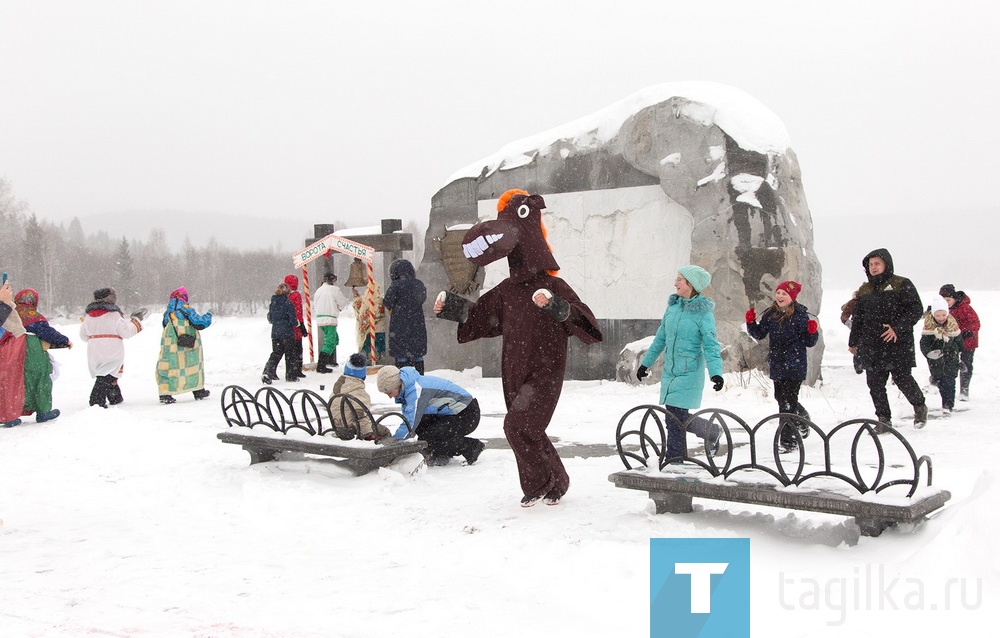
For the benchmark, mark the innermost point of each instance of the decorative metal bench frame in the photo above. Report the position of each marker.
(673, 491)
(308, 411)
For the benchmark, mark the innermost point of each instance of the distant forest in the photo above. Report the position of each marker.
(66, 266)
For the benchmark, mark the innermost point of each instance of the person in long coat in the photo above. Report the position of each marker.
(686, 338)
(882, 336)
(535, 312)
(181, 369)
(789, 330)
(367, 307)
(37, 364)
(405, 302)
(13, 347)
(105, 328)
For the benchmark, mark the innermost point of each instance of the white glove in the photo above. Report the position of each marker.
(934, 355)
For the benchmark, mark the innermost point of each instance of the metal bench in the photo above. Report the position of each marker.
(308, 412)
(844, 471)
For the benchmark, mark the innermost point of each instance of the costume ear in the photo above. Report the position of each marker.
(535, 201)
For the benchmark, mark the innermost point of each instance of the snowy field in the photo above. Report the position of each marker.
(136, 521)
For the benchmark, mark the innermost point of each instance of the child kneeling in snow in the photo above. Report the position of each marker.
(438, 411)
(941, 343)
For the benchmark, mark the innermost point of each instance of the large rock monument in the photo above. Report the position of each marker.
(677, 173)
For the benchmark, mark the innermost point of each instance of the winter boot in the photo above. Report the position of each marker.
(474, 448)
(333, 360)
(919, 416)
(321, 367)
(51, 415)
(201, 394)
(11, 424)
(166, 399)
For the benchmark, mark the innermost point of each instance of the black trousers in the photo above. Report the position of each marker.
(903, 378)
(965, 372)
(446, 435)
(106, 391)
(281, 348)
(786, 392)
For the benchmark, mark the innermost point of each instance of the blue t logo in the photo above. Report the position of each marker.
(699, 587)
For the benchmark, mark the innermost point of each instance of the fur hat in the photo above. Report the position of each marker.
(938, 303)
(107, 295)
(697, 276)
(387, 379)
(793, 288)
(947, 290)
(355, 366)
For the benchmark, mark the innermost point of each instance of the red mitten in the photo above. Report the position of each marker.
(751, 315)
(812, 326)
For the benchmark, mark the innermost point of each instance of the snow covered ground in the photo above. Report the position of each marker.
(136, 521)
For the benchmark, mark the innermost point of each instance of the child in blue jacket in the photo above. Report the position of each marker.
(438, 411)
(787, 324)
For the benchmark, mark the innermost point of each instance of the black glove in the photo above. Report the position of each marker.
(717, 380)
(139, 314)
(967, 334)
(303, 330)
(642, 373)
(557, 308)
(456, 307)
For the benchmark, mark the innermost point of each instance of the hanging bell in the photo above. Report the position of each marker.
(359, 274)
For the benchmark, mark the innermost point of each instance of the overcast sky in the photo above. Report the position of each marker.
(359, 111)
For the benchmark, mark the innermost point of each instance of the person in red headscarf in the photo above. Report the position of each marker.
(790, 330)
(181, 366)
(12, 350)
(37, 364)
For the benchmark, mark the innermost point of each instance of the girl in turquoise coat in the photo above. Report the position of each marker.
(686, 339)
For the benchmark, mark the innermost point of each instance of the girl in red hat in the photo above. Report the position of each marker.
(790, 330)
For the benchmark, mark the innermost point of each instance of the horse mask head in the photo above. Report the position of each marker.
(517, 234)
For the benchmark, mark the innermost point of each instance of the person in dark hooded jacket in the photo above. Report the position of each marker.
(882, 335)
(407, 331)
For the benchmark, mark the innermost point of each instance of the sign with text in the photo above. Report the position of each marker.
(699, 587)
(334, 243)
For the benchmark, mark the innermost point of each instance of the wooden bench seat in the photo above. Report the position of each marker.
(854, 469)
(673, 493)
(305, 424)
(360, 459)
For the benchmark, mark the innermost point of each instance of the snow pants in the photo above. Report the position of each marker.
(447, 435)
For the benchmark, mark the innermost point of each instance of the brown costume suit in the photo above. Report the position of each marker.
(534, 339)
